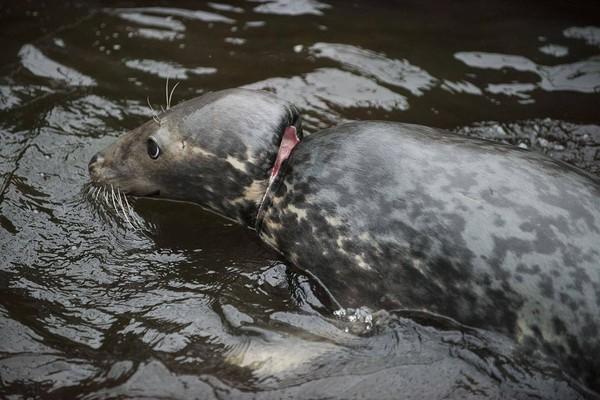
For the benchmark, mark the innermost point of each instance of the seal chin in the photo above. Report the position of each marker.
(154, 193)
(113, 183)
(139, 192)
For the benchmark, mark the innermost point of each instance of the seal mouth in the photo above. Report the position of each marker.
(156, 193)
(111, 203)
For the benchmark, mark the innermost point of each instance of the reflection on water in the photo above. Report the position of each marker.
(198, 308)
(590, 34)
(321, 92)
(40, 65)
(285, 7)
(376, 66)
(582, 76)
(167, 70)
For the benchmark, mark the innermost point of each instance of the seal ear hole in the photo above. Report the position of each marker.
(153, 149)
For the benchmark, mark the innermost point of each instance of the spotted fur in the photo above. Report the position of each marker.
(397, 215)
(392, 215)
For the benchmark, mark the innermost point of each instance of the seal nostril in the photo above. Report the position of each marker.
(93, 160)
(96, 160)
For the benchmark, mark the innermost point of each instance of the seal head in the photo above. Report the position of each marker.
(217, 150)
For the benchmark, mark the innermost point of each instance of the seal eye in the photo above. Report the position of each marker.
(153, 149)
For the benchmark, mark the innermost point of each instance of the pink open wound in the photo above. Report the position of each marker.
(289, 140)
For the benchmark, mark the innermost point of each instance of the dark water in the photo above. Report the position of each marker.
(198, 308)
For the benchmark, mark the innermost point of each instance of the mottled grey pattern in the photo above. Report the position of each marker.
(391, 215)
(397, 215)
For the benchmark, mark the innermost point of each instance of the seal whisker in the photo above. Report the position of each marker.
(106, 202)
(155, 116)
(119, 195)
(97, 193)
(135, 220)
(103, 193)
(112, 206)
(112, 196)
(108, 196)
(129, 208)
(103, 203)
(132, 213)
(167, 93)
(91, 194)
(171, 95)
(107, 199)
(119, 206)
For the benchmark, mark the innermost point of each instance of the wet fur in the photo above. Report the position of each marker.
(393, 215)
(403, 216)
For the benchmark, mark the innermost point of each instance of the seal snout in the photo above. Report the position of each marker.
(94, 165)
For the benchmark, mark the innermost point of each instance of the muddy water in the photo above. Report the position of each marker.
(197, 308)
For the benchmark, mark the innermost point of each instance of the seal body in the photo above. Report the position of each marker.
(404, 216)
(390, 215)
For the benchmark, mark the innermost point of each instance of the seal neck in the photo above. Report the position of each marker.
(246, 159)
(289, 141)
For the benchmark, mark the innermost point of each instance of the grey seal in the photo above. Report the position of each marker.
(390, 215)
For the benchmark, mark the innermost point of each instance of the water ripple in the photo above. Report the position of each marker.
(582, 76)
(136, 15)
(326, 90)
(40, 65)
(291, 7)
(368, 63)
(590, 34)
(170, 70)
